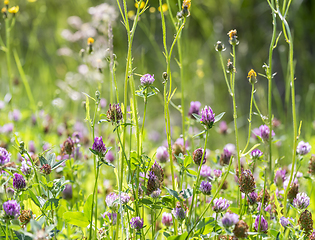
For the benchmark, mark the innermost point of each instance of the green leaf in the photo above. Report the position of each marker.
(218, 117)
(87, 108)
(34, 198)
(178, 237)
(198, 117)
(51, 159)
(51, 204)
(187, 193)
(88, 206)
(250, 150)
(43, 160)
(173, 193)
(145, 201)
(57, 164)
(76, 218)
(198, 134)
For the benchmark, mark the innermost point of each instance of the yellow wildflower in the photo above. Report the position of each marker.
(141, 5)
(232, 34)
(90, 41)
(152, 9)
(252, 76)
(6, 2)
(14, 9)
(186, 4)
(164, 8)
(4, 10)
(131, 14)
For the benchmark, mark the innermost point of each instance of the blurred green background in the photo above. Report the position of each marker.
(51, 60)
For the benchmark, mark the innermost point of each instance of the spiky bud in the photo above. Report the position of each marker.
(158, 171)
(247, 182)
(311, 166)
(114, 113)
(25, 217)
(197, 156)
(153, 183)
(46, 169)
(306, 222)
(241, 229)
(294, 190)
(266, 197)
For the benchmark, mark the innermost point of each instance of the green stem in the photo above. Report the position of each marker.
(8, 52)
(182, 88)
(35, 173)
(198, 177)
(7, 230)
(94, 197)
(224, 72)
(144, 113)
(250, 118)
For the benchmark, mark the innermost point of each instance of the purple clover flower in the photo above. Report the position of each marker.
(225, 157)
(303, 148)
(167, 219)
(147, 79)
(194, 108)
(280, 177)
(217, 173)
(156, 194)
(99, 146)
(205, 171)
(111, 216)
(18, 181)
(110, 157)
(220, 204)
(125, 198)
(136, 223)
(252, 198)
(223, 127)
(256, 154)
(265, 132)
(301, 201)
(5, 156)
(207, 117)
(179, 213)
(162, 154)
(26, 167)
(263, 224)
(229, 219)
(111, 200)
(67, 192)
(205, 187)
(284, 222)
(11, 208)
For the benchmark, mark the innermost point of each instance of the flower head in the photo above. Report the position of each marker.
(229, 219)
(111, 201)
(294, 190)
(256, 154)
(156, 193)
(11, 209)
(14, 9)
(205, 187)
(225, 157)
(125, 198)
(179, 213)
(46, 169)
(110, 157)
(111, 216)
(219, 46)
(205, 171)
(241, 229)
(306, 222)
(197, 156)
(158, 171)
(194, 108)
(217, 173)
(207, 117)
(233, 37)
(147, 79)
(264, 133)
(252, 76)
(247, 182)
(99, 146)
(284, 222)
(18, 181)
(167, 219)
(252, 198)
(162, 154)
(90, 41)
(5, 156)
(301, 201)
(220, 204)
(153, 183)
(114, 113)
(303, 148)
(263, 224)
(25, 217)
(68, 146)
(67, 192)
(136, 223)
(280, 177)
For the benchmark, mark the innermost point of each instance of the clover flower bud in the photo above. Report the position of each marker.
(301, 201)
(306, 222)
(207, 117)
(263, 224)
(229, 219)
(197, 156)
(205, 187)
(11, 209)
(220, 204)
(99, 146)
(5, 156)
(247, 182)
(147, 79)
(303, 148)
(114, 113)
(162, 154)
(167, 219)
(18, 181)
(136, 223)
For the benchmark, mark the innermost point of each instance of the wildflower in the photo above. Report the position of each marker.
(233, 37)
(141, 5)
(18, 181)
(264, 133)
(294, 190)
(111, 201)
(158, 171)
(230, 67)
(301, 201)
(220, 204)
(11, 209)
(217, 173)
(110, 157)
(252, 76)
(46, 169)
(229, 219)
(99, 146)
(197, 156)
(177, 149)
(162, 154)
(147, 80)
(25, 217)
(13, 10)
(67, 192)
(111, 216)
(256, 154)
(241, 229)
(263, 224)
(5, 156)
(125, 198)
(167, 219)
(223, 127)
(194, 108)
(152, 9)
(247, 182)
(179, 213)
(311, 165)
(219, 46)
(280, 177)
(5, 15)
(225, 157)
(136, 223)
(207, 117)
(205, 171)
(205, 187)
(266, 196)
(114, 113)
(153, 183)
(68, 146)
(252, 198)
(6, 2)
(303, 148)
(306, 222)
(284, 222)
(185, 8)
(156, 193)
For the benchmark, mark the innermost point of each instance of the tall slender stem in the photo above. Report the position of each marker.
(8, 54)
(250, 117)
(144, 113)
